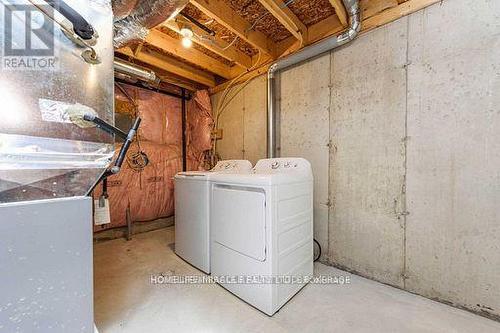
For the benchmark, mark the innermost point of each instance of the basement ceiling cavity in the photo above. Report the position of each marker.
(311, 12)
(260, 19)
(222, 32)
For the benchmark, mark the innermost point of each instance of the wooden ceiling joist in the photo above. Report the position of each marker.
(370, 8)
(174, 46)
(216, 45)
(171, 65)
(374, 14)
(340, 11)
(329, 26)
(391, 14)
(286, 17)
(224, 15)
(332, 26)
(205, 68)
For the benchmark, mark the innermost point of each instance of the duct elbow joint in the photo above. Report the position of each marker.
(354, 29)
(272, 70)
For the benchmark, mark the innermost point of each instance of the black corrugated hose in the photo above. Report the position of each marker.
(319, 250)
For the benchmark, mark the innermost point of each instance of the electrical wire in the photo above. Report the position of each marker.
(247, 30)
(224, 99)
(137, 161)
(224, 102)
(284, 5)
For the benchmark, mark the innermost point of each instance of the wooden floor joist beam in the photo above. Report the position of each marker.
(286, 17)
(174, 46)
(326, 30)
(224, 15)
(340, 11)
(392, 14)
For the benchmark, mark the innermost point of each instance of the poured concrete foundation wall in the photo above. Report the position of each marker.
(403, 131)
(243, 122)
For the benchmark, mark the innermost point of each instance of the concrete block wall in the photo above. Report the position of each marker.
(403, 131)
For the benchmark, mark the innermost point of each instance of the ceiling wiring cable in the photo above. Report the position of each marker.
(223, 103)
(211, 39)
(284, 5)
(225, 100)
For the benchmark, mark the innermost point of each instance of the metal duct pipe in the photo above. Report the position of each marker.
(352, 7)
(146, 15)
(129, 69)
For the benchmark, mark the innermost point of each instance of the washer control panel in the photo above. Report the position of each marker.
(233, 166)
(282, 165)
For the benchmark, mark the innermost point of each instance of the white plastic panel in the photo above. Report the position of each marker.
(240, 221)
(192, 221)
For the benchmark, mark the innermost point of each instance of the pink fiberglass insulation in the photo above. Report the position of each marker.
(161, 115)
(200, 124)
(150, 192)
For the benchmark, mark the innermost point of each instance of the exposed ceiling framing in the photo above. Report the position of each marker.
(251, 31)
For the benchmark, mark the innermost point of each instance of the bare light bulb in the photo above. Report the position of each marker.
(187, 42)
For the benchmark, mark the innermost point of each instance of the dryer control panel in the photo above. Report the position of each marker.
(233, 166)
(283, 165)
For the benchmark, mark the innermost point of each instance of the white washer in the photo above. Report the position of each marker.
(262, 226)
(192, 228)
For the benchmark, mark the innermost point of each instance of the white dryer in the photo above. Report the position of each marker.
(192, 227)
(262, 232)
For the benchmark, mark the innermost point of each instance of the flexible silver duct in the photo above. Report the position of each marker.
(136, 72)
(123, 8)
(352, 7)
(146, 15)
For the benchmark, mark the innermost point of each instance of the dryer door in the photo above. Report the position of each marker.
(239, 220)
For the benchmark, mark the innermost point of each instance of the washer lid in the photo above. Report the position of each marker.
(193, 175)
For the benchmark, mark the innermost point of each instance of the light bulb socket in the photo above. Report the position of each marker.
(186, 32)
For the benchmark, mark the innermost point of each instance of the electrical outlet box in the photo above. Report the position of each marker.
(218, 134)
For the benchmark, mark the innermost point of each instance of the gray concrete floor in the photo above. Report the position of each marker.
(126, 301)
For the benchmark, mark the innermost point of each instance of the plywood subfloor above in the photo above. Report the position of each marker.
(220, 31)
(312, 11)
(259, 18)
